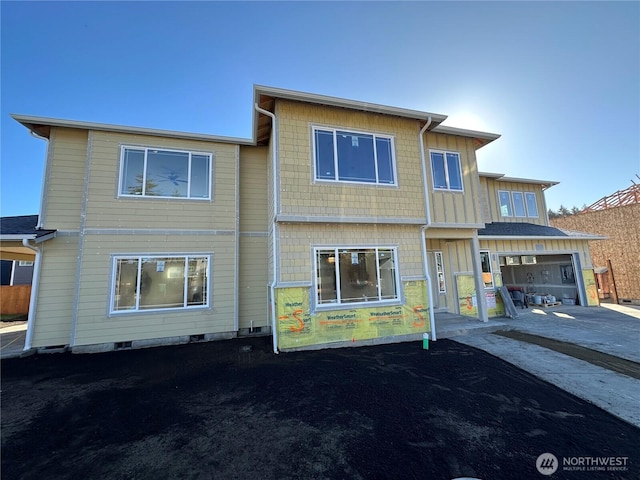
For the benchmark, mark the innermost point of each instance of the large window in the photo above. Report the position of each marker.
(517, 204)
(353, 157)
(159, 282)
(150, 172)
(356, 275)
(446, 170)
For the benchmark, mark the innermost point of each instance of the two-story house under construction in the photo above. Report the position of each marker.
(338, 223)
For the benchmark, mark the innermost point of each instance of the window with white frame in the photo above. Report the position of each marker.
(345, 156)
(517, 204)
(446, 170)
(154, 172)
(356, 275)
(439, 261)
(532, 204)
(142, 283)
(487, 275)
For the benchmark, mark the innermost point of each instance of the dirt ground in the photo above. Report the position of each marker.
(234, 410)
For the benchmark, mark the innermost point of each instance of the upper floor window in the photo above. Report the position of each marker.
(446, 170)
(517, 204)
(152, 172)
(353, 157)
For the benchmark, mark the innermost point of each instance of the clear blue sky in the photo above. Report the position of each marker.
(559, 81)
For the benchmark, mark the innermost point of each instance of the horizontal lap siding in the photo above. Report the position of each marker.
(253, 189)
(299, 195)
(456, 208)
(252, 302)
(65, 178)
(296, 241)
(105, 210)
(95, 326)
(54, 311)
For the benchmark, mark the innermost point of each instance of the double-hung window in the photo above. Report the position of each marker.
(532, 204)
(154, 172)
(344, 156)
(356, 275)
(446, 170)
(142, 283)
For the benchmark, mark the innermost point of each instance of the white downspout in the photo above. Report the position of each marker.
(272, 306)
(423, 239)
(33, 300)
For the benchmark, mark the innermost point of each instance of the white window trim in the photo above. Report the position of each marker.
(446, 171)
(439, 272)
(510, 204)
(138, 257)
(146, 149)
(338, 305)
(375, 135)
(490, 287)
(513, 203)
(535, 201)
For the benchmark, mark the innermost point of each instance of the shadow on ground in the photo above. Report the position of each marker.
(234, 410)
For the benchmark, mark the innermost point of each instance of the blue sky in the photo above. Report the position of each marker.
(559, 81)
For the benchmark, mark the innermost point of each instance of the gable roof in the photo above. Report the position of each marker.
(531, 231)
(23, 227)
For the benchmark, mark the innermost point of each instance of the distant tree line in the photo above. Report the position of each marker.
(564, 211)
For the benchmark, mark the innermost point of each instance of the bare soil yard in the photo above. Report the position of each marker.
(234, 410)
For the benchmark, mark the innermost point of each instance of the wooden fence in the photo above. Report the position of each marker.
(14, 299)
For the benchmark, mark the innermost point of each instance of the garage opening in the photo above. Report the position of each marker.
(547, 278)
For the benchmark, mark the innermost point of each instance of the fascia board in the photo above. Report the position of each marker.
(537, 237)
(31, 121)
(436, 118)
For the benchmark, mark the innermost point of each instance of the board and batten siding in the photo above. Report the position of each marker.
(254, 226)
(492, 213)
(96, 326)
(54, 310)
(105, 209)
(64, 179)
(449, 207)
(301, 195)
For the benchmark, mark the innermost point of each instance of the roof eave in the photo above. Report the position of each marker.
(42, 126)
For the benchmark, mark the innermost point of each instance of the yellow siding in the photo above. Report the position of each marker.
(95, 326)
(253, 189)
(105, 210)
(297, 240)
(66, 171)
(455, 208)
(492, 211)
(299, 195)
(253, 291)
(54, 311)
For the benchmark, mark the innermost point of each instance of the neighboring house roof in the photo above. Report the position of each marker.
(502, 178)
(23, 227)
(531, 230)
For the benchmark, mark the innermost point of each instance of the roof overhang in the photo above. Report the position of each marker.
(265, 98)
(501, 177)
(480, 139)
(42, 126)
